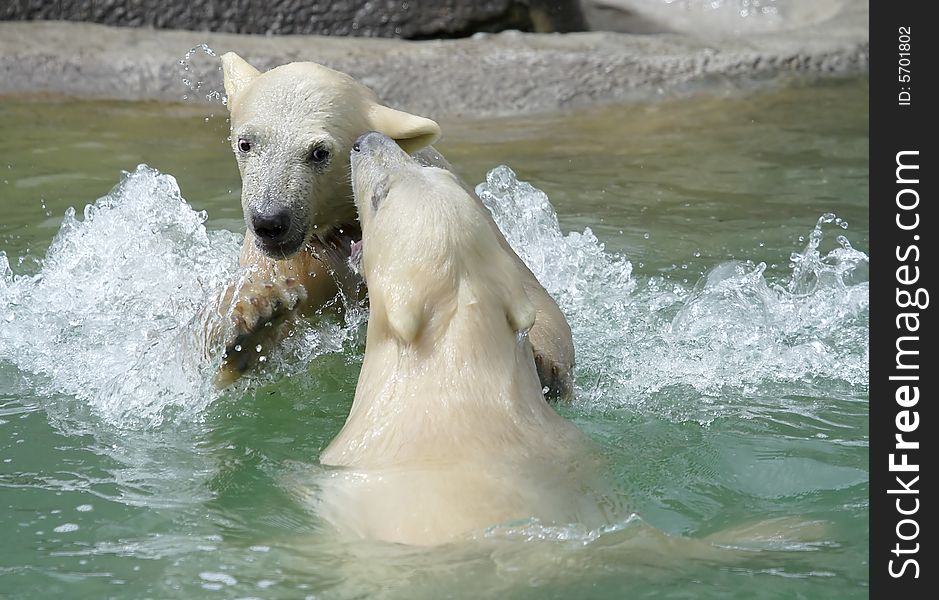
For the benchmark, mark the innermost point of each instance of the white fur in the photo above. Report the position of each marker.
(285, 112)
(449, 432)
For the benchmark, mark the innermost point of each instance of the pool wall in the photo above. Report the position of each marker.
(361, 18)
(486, 75)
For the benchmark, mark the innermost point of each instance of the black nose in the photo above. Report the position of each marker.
(369, 139)
(271, 226)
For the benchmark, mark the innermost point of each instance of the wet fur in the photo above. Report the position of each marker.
(449, 432)
(285, 113)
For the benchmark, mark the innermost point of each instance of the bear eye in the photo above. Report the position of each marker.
(319, 155)
(244, 145)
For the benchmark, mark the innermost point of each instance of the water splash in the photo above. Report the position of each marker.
(118, 313)
(193, 76)
(657, 345)
(841, 268)
(105, 318)
(113, 315)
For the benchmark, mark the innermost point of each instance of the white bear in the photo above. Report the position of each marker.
(291, 131)
(449, 432)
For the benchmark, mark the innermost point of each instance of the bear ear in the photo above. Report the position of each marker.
(237, 75)
(519, 310)
(410, 131)
(521, 313)
(405, 319)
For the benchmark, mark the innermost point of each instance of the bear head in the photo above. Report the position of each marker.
(429, 249)
(291, 131)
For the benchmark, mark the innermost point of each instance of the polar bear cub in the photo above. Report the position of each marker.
(291, 131)
(449, 432)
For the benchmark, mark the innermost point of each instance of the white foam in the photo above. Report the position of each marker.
(106, 318)
(654, 340)
(113, 315)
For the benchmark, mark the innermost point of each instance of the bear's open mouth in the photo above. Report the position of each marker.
(340, 251)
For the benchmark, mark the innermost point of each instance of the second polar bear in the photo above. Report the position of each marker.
(449, 432)
(291, 131)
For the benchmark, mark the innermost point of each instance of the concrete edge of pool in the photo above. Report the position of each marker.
(487, 75)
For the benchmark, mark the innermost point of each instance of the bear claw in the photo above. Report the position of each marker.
(256, 318)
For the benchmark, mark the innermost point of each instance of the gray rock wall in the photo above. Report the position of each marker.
(410, 19)
(500, 74)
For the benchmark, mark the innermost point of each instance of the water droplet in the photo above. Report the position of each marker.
(193, 84)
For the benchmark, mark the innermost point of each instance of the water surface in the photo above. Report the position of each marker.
(720, 324)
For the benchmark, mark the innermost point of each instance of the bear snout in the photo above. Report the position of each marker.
(271, 226)
(371, 141)
(277, 233)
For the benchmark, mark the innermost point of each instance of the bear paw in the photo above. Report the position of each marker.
(557, 380)
(257, 317)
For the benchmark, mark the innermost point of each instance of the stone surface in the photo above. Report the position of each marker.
(501, 74)
(413, 19)
(710, 18)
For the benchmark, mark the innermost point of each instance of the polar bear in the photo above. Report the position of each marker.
(449, 431)
(291, 130)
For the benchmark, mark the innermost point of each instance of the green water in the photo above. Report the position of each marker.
(715, 407)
